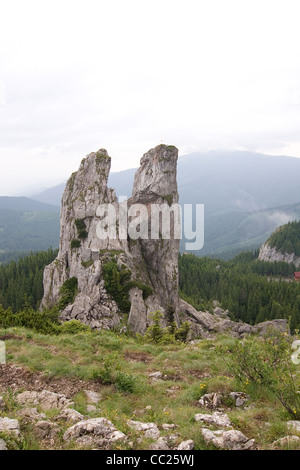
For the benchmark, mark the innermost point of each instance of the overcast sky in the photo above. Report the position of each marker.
(79, 75)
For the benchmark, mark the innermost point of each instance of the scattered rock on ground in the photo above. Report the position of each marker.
(166, 427)
(294, 425)
(92, 397)
(8, 425)
(68, 414)
(156, 375)
(46, 399)
(160, 444)
(95, 431)
(150, 429)
(186, 445)
(45, 430)
(286, 441)
(2, 403)
(211, 400)
(31, 414)
(217, 419)
(3, 445)
(240, 398)
(228, 440)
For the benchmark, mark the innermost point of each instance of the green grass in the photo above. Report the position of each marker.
(190, 370)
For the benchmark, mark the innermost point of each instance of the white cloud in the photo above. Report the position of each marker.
(80, 75)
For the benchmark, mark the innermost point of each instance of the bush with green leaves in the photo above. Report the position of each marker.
(68, 292)
(265, 363)
(105, 373)
(118, 284)
(75, 243)
(73, 327)
(45, 322)
(125, 383)
(158, 334)
(81, 229)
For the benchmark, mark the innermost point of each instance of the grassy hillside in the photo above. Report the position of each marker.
(69, 359)
(119, 368)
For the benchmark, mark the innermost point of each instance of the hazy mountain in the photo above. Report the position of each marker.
(26, 204)
(246, 195)
(52, 195)
(27, 225)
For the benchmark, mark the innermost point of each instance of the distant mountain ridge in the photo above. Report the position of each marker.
(246, 195)
(26, 204)
(27, 225)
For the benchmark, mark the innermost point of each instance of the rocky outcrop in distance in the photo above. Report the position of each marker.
(268, 253)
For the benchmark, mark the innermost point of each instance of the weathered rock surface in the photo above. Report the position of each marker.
(45, 430)
(46, 399)
(293, 424)
(95, 431)
(151, 260)
(3, 445)
(228, 440)
(268, 253)
(31, 414)
(82, 253)
(149, 429)
(2, 403)
(211, 400)
(186, 445)
(216, 418)
(8, 425)
(68, 414)
(205, 324)
(92, 397)
(287, 441)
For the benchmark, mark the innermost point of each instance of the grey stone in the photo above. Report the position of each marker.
(228, 440)
(293, 424)
(268, 253)
(156, 375)
(32, 414)
(152, 262)
(186, 445)
(68, 414)
(2, 403)
(286, 441)
(45, 430)
(92, 397)
(217, 419)
(240, 398)
(8, 425)
(3, 445)
(139, 426)
(46, 399)
(99, 431)
(154, 183)
(211, 400)
(160, 444)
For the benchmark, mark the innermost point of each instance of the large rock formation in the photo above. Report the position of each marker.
(145, 269)
(119, 258)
